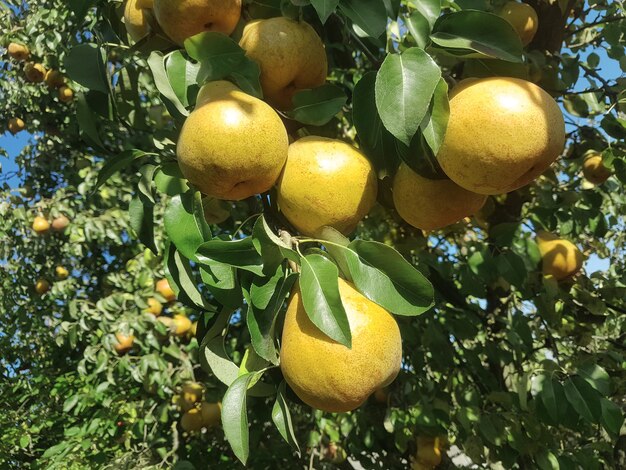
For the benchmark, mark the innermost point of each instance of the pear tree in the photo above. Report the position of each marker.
(312, 234)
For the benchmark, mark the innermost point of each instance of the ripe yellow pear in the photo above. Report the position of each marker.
(16, 125)
(192, 420)
(192, 393)
(66, 94)
(233, 145)
(124, 343)
(35, 73)
(502, 134)
(594, 169)
(19, 52)
(154, 307)
(54, 79)
(181, 19)
(59, 224)
(560, 258)
(136, 20)
(41, 225)
(181, 325)
(326, 182)
(329, 376)
(61, 272)
(211, 414)
(163, 288)
(290, 54)
(432, 204)
(42, 286)
(215, 211)
(381, 395)
(428, 452)
(523, 18)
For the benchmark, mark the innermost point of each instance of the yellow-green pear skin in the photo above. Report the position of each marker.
(326, 182)
(502, 134)
(329, 376)
(594, 169)
(233, 145)
(181, 19)
(19, 52)
(135, 20)
(430, 204)
(290, 54)
(523, 18)
(560, 258)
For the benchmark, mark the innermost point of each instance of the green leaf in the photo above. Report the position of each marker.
(612, 416)
(435, 122)
(234, 415)
(270, 246)
(218, 55)
(282, 418)
(473, 33)
(614, 126)
(596, 376)
(184, 223)
(419, 28)
(145, 182)
(324, 9)
(365, 114)
(546, 460)
(182, 279)
(119, 162)
(182, 75)
(319, 287)
(546, 386)
(318, 106)
(87, 123)
(404, 88)
(25, 440)
(375, 284)
(70, 403)
(221, 281)
(85, 64)
(214, 358)
(238, 253)
(161, 80)
(584, 399)
(265, 300)
(141, 213)
(169, 180)
(247, 76)
(376, 141)
(410, 284)
(429, 9)
(369, 15)
(80, 7)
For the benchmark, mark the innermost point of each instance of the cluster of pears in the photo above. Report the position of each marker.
(36, 73)
(234, 146)
(179, 325)
(197, 413)
(502, 134)
(42, 226)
